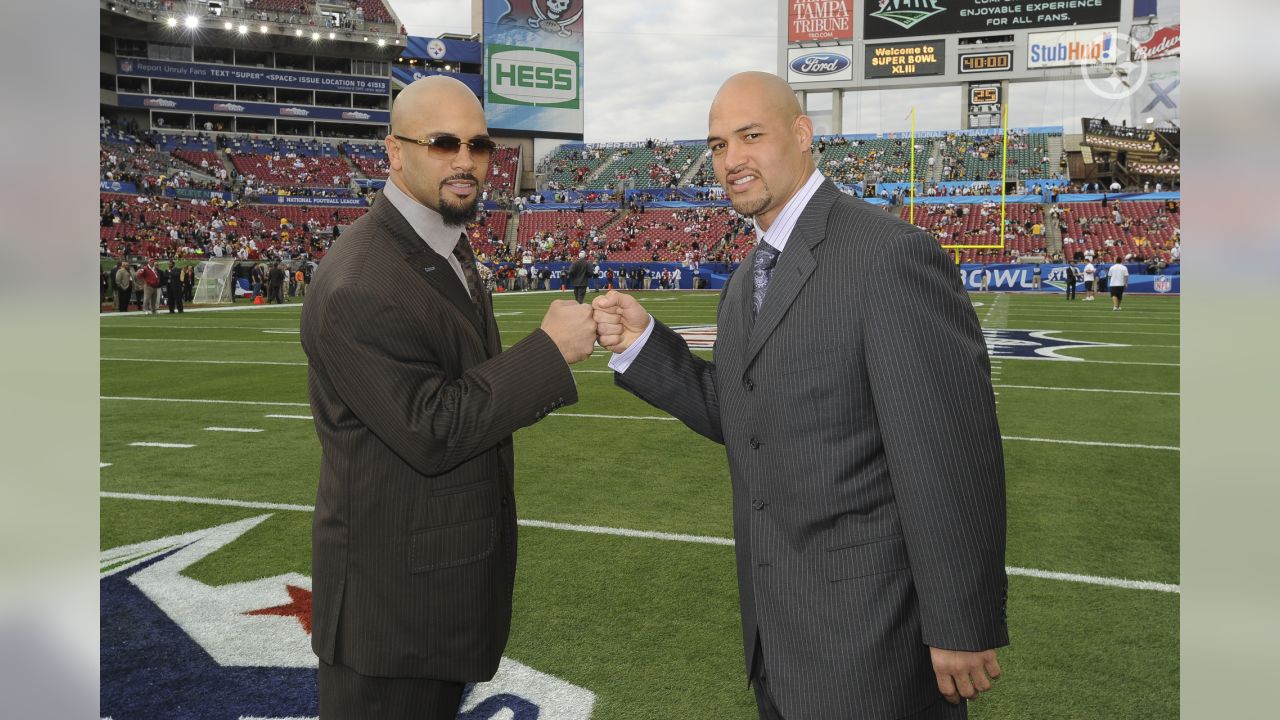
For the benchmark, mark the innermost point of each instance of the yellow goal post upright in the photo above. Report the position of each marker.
(1004, 176)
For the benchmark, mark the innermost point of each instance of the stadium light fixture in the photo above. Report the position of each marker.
(171, 22)
(226, 25)
(243, 29)
(1151, 121)
(382, 42)
(297, 33)
(366, 38)
(192, 22)
(332, 36)
(262, 29)
(315, 36)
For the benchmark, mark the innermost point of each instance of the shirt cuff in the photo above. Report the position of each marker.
(621, 361)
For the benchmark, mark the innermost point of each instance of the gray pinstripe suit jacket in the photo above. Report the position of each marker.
(868, 476)
(414, 534)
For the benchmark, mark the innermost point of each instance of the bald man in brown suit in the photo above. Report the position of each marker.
(415, 402)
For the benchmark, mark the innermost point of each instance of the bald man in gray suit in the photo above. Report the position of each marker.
(851, 389)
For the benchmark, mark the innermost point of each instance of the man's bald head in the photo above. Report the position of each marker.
(762, 90)
(417, 105)
(448, 182)
(760, 144)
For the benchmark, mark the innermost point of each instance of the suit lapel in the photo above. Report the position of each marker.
(735, 313)
(795, 265)
(426, 263)
(493, 339)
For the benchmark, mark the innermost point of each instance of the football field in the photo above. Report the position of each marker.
(625, 588)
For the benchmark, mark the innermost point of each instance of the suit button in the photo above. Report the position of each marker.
(504, 501)
(754, 443)
(757, 503)
(746, 383)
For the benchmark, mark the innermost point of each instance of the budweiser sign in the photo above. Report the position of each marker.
(1164, 42)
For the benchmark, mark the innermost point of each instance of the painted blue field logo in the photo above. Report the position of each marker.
(174, 647)
(1034, 344)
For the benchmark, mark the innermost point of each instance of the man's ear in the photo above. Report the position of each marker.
(803, 128)
(393, 151)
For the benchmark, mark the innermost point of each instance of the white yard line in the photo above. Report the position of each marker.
(1091, 390)
(215, 428)
(194, 340)
(199, 327)
(1094, 580)
(647, 535)
(613, 417)
(161, 445)
(228, 308)
(132, 398)
(659, 418)
(290, 417)
(1092, 443)
(204, 362)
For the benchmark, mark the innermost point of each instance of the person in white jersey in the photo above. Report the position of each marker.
(1117, 278)
(1090, 280)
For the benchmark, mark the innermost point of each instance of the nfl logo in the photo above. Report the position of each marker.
(126, 66)
(1163, 284)
(435, 49)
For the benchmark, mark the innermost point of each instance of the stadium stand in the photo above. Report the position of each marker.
(977, 157)
(656, 164)
(369, 158)
(159, 160)
(977, 224)
(289, 163)
(665, 235)
(1141, 229)
(870, 161)
(561, 233)
(569, 167)
(503, 172)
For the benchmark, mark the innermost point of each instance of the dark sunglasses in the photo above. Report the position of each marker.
(448, 145)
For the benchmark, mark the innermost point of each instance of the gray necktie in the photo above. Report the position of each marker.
(766, 257)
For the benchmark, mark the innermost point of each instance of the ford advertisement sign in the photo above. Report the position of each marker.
(808, 65)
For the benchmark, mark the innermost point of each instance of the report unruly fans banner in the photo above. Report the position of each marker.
(265, 77)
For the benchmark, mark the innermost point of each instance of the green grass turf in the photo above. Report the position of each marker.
(651, 626)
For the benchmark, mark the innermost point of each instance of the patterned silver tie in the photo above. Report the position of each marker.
(766, 257)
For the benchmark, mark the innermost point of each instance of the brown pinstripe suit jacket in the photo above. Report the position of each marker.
(866, 462)
(414, 535)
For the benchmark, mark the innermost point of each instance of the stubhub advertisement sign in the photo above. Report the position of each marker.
(533, 66)
(1072, 47)
(819, 64)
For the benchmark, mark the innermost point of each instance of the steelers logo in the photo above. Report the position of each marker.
(435, 49)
